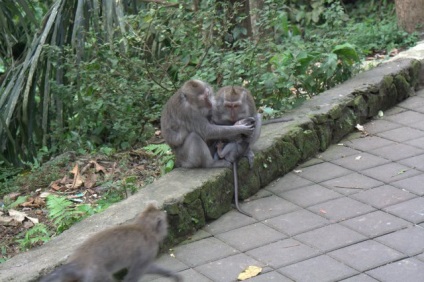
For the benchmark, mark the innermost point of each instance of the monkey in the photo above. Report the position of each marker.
(187, 128)
(133, 246)
(235, 105)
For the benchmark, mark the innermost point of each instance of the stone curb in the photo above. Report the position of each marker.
(191, 197)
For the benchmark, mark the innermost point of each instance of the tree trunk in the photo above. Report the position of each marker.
(410, 14)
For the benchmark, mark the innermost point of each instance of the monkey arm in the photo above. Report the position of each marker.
(217, 132)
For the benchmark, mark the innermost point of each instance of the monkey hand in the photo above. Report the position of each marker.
(245, 129)
(246, 121)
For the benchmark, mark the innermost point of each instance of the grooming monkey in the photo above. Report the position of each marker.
(235, 105)
(132, 246)
(187, 128)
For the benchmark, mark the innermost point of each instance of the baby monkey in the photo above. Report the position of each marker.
(132, 246)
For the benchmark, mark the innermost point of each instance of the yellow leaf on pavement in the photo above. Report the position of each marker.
(249, 272)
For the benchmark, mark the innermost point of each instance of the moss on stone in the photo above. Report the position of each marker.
(402, 87)
(324, 133)
(290, 155)
(216, 197)
(344, 125)
(414, 73)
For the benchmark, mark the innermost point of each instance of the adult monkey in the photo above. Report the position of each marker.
(235, 105)
(186, 126)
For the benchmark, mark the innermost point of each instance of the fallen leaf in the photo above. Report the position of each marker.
(90, 180)
(249, 272)
(77, 178)
(17, 215)
(360, 127)
(33, 219)
(44, 194)
(28, 224)
(54, 185)
(98, 167)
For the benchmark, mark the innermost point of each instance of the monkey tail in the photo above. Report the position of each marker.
(67, 272)
(236, 190)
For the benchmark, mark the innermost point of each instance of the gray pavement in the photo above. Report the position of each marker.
(353, 213)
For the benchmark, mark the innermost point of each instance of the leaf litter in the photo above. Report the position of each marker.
(83, 180)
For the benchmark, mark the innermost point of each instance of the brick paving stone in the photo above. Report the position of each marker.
(310, 195)
(166, 261)
(269, 207)
(383, 196)
(418, 125)
(289, 182)
(250, 236)
(230, 220)
(188, 275)
(330, 237)
(336, 152)
(366, 255)
(341, 209)
(203, 251)
(227, 269)
(361, 161)
(376, 223)
(393, 111)
(406, 118)
(390, 172)
(409, 241)
(321, 268)
(414, 162)
(401, 134)
(322, 172)
(397, 152)
(282, 253)
(270, 276)
(351, 183)
(413, 184)
(360, 278)
(419, 143)
(368, 143)
(411, 210)
(297, 222)
(376, 126)
(408, 270)
(412, 103)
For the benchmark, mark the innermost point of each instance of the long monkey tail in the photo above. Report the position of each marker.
(236, 190)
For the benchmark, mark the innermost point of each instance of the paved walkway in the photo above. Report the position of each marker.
(354, 213)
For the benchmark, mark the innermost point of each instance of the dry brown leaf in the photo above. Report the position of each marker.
(90, 180)
(249, 272)
(17, 215)
(98, 167)
(33, 219)
(28, 203)
(77, 178)
(54, 185)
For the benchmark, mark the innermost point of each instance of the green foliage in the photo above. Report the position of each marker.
(108, 91)
(166, 157)
(9, 204)
(34, 236)
(65, 213)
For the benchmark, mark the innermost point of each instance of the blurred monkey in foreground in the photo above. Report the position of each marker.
(132, 246)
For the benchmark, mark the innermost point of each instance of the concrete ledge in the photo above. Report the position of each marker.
(192, 197)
